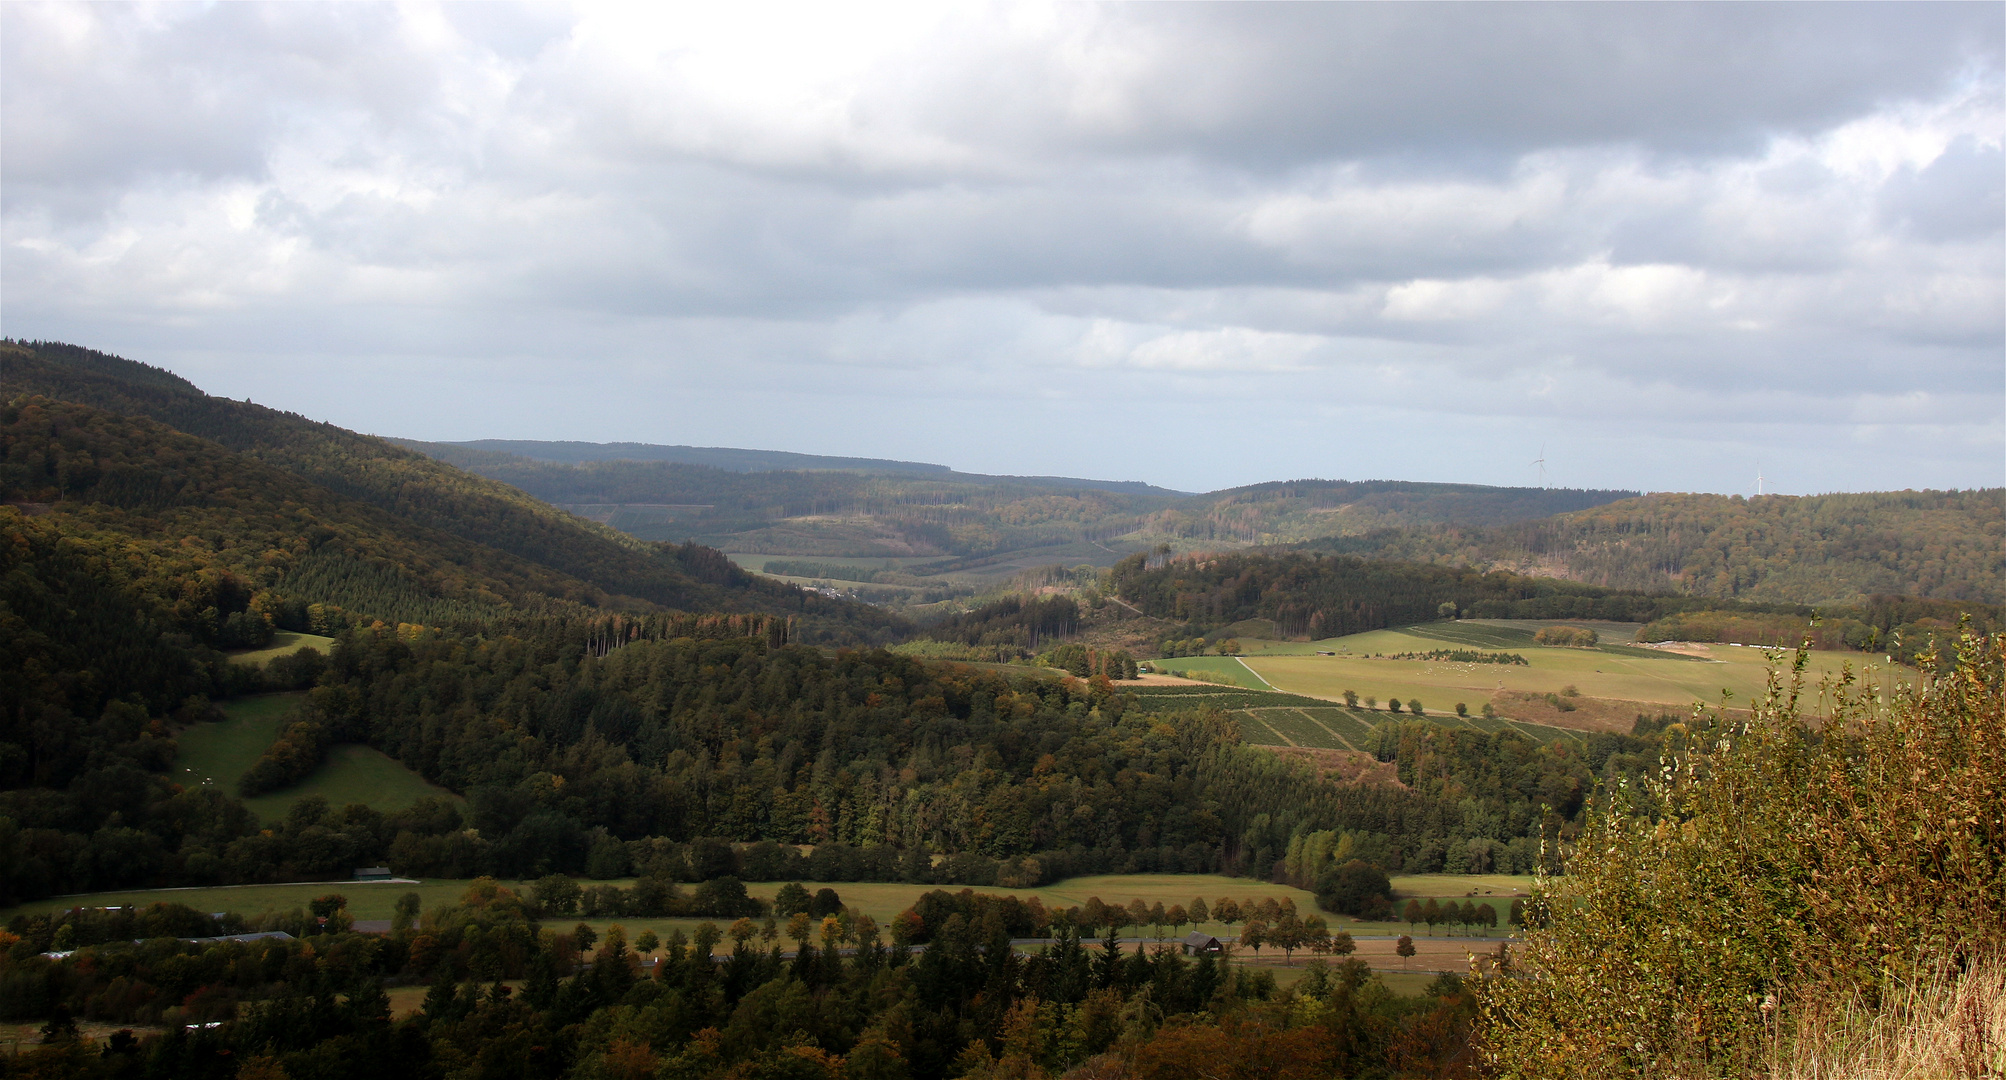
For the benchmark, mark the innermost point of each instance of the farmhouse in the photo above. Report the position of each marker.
(1197, 942)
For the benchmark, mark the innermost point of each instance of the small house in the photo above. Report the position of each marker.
(1198, 943)
(372, 873)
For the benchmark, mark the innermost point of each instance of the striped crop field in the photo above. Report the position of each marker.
(1301, 730)
(1258, 733)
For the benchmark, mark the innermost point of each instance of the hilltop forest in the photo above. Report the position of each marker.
(1802, 550)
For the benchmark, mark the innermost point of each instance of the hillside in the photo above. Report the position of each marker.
(797, 505)
(134, 453)
(1820, 549)
(1311, 595)
(1813, 549)
(764, 503)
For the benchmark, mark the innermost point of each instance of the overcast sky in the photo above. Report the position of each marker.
(1194, 245)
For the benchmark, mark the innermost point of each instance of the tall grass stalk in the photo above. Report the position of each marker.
(1945, 1024)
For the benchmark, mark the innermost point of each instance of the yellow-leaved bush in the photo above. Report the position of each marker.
(1778, 874)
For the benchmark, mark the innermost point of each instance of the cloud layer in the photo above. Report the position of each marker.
(1198, 245)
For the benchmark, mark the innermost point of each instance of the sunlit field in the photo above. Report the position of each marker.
(1614, 671)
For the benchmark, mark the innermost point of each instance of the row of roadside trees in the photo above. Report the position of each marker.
(1448, 913)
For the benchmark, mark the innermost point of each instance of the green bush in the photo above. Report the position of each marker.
(1774, 873)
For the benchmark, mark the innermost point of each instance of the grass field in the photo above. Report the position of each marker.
(218, 754)
(1212, 669)
(1425, 885)
(353, 774)
(1280, 719)
(366, 900)
(1442, 951)
(879, 900)
(284, 643)
(1617, 672)
(215, 755)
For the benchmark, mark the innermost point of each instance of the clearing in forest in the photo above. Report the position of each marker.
(218, 754)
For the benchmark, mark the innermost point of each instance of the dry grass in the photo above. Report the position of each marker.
(1946, 1025)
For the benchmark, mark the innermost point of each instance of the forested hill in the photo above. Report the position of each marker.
(1289, 511)
(1313, 595)
(270, 506)
(1813, 549)
(760, 502)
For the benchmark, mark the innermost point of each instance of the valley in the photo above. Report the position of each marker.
(590, 702)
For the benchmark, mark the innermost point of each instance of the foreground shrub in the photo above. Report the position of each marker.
(1773, 877)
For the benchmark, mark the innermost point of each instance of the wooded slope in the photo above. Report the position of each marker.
(1812, 549)
(132, 450)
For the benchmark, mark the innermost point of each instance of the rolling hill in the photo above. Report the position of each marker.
(1812, 549)
(1820, 549)
(765, 503)
(309, 512)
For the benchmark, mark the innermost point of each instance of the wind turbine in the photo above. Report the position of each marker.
(1541, 462)
(1758, 477)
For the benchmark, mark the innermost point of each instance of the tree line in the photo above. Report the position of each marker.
(509, 995)
(1316, 596)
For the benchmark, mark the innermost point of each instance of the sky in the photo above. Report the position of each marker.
(1655, 246)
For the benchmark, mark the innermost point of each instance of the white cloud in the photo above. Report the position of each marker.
(1496, 216)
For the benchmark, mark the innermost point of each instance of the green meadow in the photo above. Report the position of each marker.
(880, 900)
(1227, 669)
(1612, 671)
(284, 643)
(218, 754)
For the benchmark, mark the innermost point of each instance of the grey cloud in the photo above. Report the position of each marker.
(98, 97)
(1654, 225)
(1285, 84)
(1959, 196)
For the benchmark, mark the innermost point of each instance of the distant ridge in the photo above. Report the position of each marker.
(717, 457)
(491, 452)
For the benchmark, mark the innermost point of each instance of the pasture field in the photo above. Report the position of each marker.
(218, 754)
(1431, 955)
(284, 643)
(1270, 718)
(1407, 982)
(352, 774)
(1442, 951)
(1214, 668)
(1461, 885)
(1616, 672)
(366, 899)
(880, 900)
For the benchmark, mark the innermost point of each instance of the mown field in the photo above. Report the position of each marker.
(1269, 718)
(1213, 669)
(1617, 672)
(218, 754)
